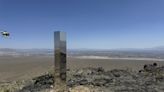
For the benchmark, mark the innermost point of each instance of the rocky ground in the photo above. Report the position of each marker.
(148, 79)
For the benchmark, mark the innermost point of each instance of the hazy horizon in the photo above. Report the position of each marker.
(158, 47)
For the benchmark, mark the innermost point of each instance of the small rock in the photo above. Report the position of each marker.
(80, 89)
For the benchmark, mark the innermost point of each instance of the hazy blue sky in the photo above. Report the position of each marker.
(96, 24)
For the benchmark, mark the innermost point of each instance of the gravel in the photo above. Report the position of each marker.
(148, 79)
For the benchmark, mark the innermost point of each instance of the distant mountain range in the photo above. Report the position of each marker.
(159, 48)
(25, 52)
(157, 52)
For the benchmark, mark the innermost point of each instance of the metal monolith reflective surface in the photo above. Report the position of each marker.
(60, 61)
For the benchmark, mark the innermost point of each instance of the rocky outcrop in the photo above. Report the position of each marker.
(148, 79)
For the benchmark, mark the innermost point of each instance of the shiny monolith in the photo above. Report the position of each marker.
(60, 62)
